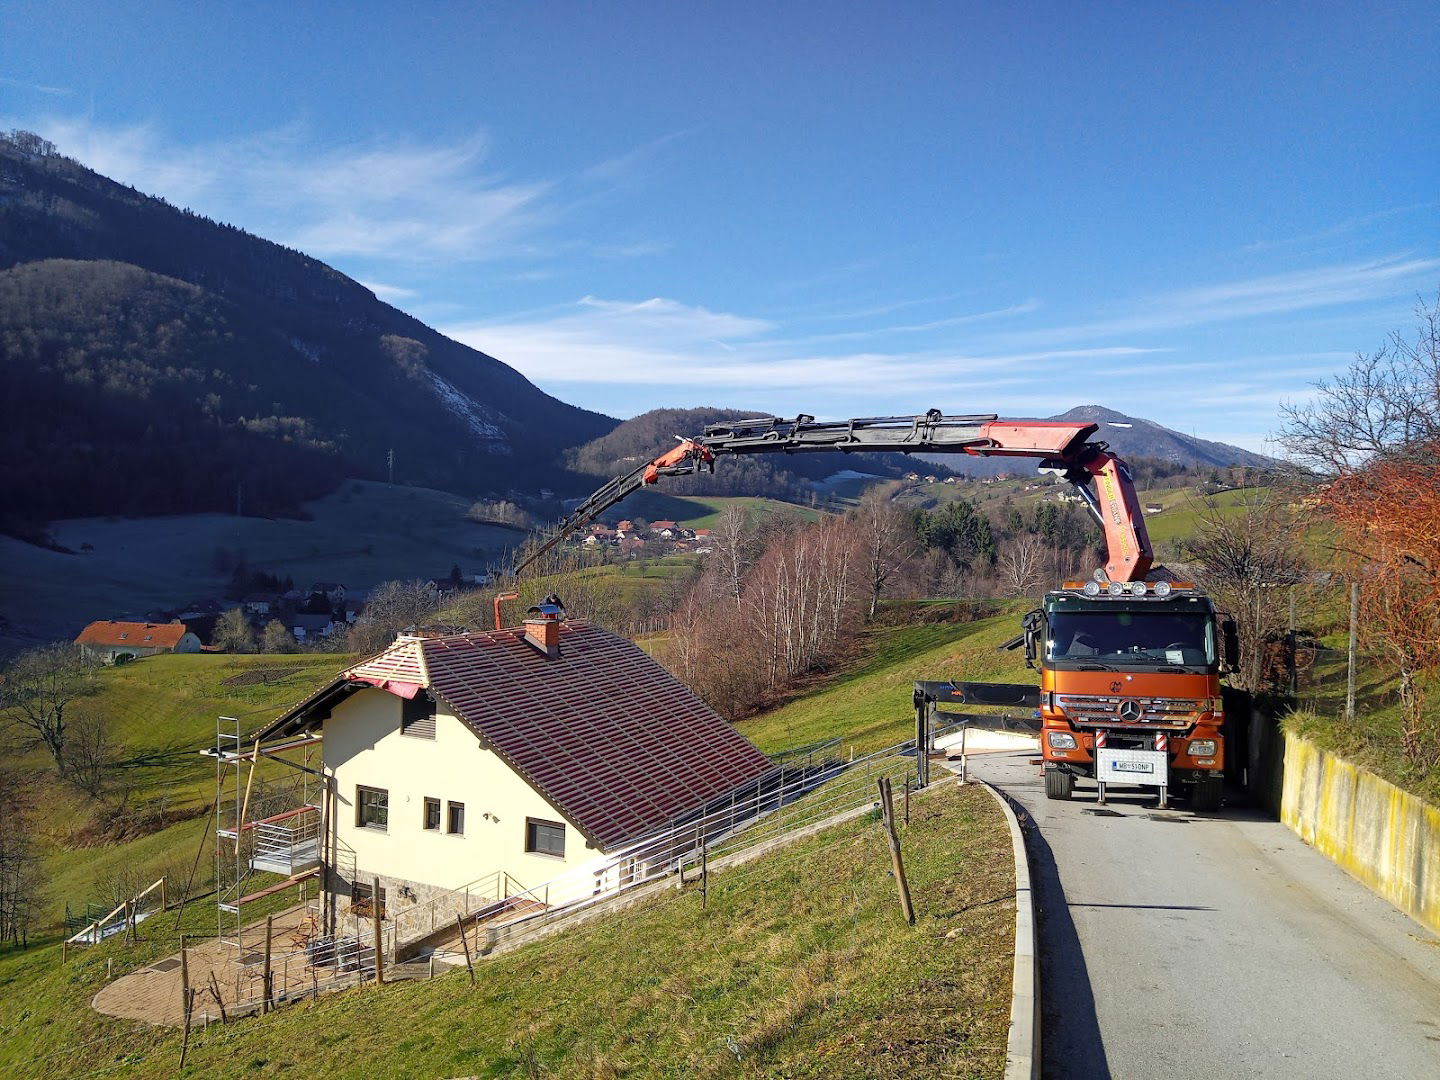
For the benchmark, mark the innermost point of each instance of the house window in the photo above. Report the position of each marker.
(360, 898)
(455, 819)
(372, 808)
(417, 716)
(545, 837)
(432, 815)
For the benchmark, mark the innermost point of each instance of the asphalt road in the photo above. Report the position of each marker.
(1176, 945)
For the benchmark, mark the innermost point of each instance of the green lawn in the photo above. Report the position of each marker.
(708, 508)
(1372, 740)
(869, 704)
(160, 712)
(800, 966)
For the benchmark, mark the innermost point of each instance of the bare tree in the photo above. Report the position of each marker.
(1023, 565)
(1246, 556)
(90, 754)
(278, 638)
(38, 689)
(20, 863)
(233, 632)
(885, 538)
(1383, 403)
(391, 607)
(734, 546)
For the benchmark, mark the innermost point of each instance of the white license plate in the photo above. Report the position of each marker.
(1133, 766)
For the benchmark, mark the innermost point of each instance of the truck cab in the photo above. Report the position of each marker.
(1126, 667)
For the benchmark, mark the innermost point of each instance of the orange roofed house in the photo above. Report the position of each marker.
(527, 756)
(108, 641)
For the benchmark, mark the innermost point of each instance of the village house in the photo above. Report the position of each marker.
(331, 590)
(667, 529)
(307, 627)
(109, 641)
(529, 752)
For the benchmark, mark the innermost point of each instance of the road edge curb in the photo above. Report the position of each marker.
(1022, 1051)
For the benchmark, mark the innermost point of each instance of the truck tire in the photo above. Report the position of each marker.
(1205, 795)
(1059, 784)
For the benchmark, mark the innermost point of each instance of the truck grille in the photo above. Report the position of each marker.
(1097, 709)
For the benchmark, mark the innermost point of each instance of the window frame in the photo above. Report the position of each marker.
(450, 808)
(361, 790)
(533, 826)
(427, 804)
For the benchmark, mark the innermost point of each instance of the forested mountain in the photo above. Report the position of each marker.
(155, 361)
(787, 476)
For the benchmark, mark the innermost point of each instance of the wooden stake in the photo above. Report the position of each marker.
(896, 862)
(219, 1001)
(907, 798)
(1351, 654)
(185, 1039)
(185, 998)
(268, 981)
(245, 803)
(375, 917)
(465, 942)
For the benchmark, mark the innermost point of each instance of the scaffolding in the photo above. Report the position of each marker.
(270, 830)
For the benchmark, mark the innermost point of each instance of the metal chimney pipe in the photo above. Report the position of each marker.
(503, 596)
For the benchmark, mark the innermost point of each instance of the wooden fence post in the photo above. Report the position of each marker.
(184, 999)
(267, 985)
(465, 943)
(896, 862)
(375, 917)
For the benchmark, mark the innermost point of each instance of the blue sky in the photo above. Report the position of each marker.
(1188, 212)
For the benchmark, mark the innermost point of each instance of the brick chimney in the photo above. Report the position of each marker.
(542, 628)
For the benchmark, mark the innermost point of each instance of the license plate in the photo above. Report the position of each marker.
(1132, 766)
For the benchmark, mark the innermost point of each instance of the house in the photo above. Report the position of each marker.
(624, 526)
(535, 752)
(668, 529)
(310, 627)
(702, 534)
(109, 641)
(331, 590)
(259, 604)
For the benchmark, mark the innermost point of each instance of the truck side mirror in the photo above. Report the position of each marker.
(1034, 625)
(1230, 635)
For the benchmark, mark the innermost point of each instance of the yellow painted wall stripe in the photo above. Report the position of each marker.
(1384, 836)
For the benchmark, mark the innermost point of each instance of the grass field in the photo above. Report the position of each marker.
(707, 509)
(160, 711)
(800, 966)
(361, 535)
(869, 704)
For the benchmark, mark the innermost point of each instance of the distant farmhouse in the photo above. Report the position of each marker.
(109, 641)
(524, 752)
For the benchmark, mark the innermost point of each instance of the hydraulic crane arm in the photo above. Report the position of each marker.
(1101, 478)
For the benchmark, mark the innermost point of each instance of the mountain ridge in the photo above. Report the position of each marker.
(330, 380)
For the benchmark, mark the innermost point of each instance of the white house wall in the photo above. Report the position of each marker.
(364, 747)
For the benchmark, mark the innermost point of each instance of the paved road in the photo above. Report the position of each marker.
(1174, 945)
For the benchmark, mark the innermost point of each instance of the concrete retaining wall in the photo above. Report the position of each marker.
(1387, 838)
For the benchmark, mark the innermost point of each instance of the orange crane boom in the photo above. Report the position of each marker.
(1101, 478)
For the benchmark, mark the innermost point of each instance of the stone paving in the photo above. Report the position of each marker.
(152, 994)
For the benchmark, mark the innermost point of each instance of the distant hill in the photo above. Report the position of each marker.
(1130, 437)
(791, 476)
(160, 362)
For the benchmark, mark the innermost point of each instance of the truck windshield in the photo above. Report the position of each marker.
(1132, 637)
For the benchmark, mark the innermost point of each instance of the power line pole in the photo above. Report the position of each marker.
(390, 462)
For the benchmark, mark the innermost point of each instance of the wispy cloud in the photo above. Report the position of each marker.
(393, 199)
(1348, 227)
(1277, 294)
(390, 293)
(39, 88)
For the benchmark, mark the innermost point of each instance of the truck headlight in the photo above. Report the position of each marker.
(1200, 747)
(1059, 740)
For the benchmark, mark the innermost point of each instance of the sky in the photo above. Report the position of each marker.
(1189, 212)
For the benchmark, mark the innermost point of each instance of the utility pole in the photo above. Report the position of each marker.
(390, 463)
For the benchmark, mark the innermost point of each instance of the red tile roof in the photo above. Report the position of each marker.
(605, 733)
(140, 635)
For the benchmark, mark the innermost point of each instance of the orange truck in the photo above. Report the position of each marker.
(1130, 662)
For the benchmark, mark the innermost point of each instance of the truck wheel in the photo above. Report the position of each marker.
(1205, 795)
(1059, 784)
